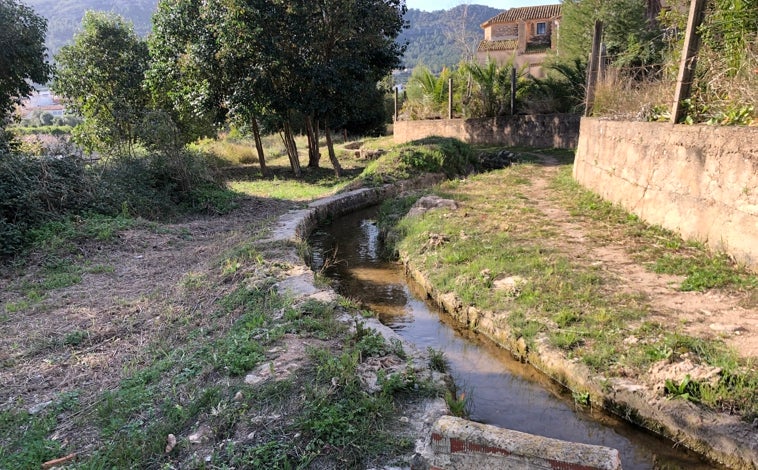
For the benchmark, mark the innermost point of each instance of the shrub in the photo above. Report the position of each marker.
(37, 190)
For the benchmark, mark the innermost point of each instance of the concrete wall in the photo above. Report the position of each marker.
(700, 181)
(458, 444)
(538, 130)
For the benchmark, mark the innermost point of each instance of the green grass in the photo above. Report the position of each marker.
(661, 250)
(498, 233)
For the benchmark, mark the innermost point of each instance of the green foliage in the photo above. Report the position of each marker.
(109, 95)
(432, 154)
(25, 441)
(687, 389)
(426, 93)
(22, 35)
(491, 96)
(730, 28)
(457, 404)
(629, 38)
(437, 360)
(52, 200)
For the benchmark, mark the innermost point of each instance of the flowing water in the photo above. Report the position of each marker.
(501, 390)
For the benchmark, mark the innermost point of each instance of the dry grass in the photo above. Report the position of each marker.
(621, 97)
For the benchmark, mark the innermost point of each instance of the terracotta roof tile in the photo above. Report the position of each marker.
(525, 13)
(502, 45)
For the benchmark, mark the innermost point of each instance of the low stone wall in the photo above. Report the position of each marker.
(459, 444)
(700, 181)
(537, 130)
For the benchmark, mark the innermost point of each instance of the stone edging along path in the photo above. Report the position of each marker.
(720, 437)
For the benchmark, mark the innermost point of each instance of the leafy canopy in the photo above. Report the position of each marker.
(100, 77)
(22, 61)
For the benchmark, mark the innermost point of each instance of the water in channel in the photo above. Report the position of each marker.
(502, 391)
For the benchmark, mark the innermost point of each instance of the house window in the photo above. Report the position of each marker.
(541, 29)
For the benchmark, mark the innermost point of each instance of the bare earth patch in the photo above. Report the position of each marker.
(87, 336)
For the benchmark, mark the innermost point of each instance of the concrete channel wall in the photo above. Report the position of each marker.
(531, 130)
(700, 181)
(444, 442)
(465, 445)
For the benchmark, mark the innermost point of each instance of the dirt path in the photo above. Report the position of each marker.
(727, 314)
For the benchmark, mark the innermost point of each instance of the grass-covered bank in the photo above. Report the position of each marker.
(555, 264)
(140, 331)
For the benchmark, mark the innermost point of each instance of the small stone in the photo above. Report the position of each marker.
(200, 435)
(405, 419)
(39, 407)
(238, 397)
(170, 443)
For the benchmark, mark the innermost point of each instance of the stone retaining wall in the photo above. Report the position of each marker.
(700, 181)
(537, 130)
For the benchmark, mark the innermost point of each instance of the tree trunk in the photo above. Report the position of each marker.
(292, 149)
(313, 154)
(330, 146)
(259, 146)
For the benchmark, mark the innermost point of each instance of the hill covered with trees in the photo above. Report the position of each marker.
(64, 17)
(442, 38)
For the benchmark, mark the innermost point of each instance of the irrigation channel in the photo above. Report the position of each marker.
(501, 390)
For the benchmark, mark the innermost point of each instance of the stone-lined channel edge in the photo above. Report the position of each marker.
(722, 438)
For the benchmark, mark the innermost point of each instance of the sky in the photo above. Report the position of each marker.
(432, 5)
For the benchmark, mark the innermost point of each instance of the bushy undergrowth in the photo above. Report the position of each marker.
(430, 155)
(38, 190)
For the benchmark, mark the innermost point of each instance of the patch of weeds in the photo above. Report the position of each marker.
(437, 360)
(339, 418)
(704, 272)
(601, 355)
(581, 398)
(525, 327)
(75, 338)
(687, 389)
(24, 441)
(60, 280)
(566, 339)
(16, 307)
(101, 269)
(237, 353)
(457, 404)
(272, 454)
(371, 344)
(192, 281)
(314, 317)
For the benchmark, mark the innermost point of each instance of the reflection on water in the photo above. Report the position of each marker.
(503, 391)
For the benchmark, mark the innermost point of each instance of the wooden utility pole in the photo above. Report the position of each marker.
(593, 68)
(396, 103)
(513, 91)
(689, 59)
(450, 98)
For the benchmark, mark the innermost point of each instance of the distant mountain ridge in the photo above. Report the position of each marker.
(64, 17)
(436, 39)
(442, 38)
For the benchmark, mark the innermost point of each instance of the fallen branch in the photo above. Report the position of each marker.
(56, 462)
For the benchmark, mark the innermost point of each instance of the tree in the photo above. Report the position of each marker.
(100, 77)
(186, 77)
(23, 57)
(629, 36)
